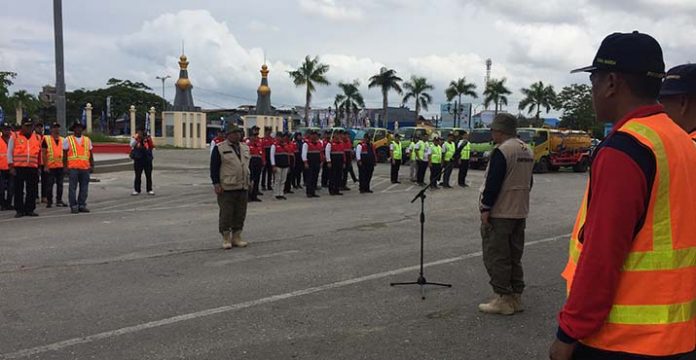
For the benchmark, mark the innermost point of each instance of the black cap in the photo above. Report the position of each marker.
(27, 122)
(680, 80)
(55, 125)
(235, 129)
(634, 53)
(76, 124)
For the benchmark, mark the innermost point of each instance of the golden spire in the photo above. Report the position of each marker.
(264, 71)
(183, 82)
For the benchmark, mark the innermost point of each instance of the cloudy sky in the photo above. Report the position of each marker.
(225, 41)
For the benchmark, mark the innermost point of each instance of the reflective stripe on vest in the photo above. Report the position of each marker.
(436, 154)
(78, 155)
(26, 151)
(397, 150)
(465, 154)
(3, 155)
(54, 152)
(451, 148)
(654, 310)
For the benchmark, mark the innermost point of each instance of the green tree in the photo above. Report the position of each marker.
(24, 103)
(538, 97)
(6, 78)
(417, 88)
(311, 72)
(352, 101)
(386, 80)
(495, 93)
(458, 88)
(128, 84)
(576, 103)
(339, 110)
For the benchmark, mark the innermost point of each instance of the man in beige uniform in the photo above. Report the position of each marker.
(229, 171)
(504, 207)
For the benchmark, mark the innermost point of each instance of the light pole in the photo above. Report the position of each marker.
(163, 78)
(456, 111)
(60, 73)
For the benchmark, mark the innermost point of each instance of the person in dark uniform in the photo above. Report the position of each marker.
(6, 180)
(23, 154)
(267, 172)
(39, 130)
(256, 163)
(365, 154)
(324, 167)
(334, 162)
(299, 164)
(290, 145)
(311, 157)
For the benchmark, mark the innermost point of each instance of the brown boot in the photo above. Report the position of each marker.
(501, 304)
(226, 240)
(237, 239)
(517, 302)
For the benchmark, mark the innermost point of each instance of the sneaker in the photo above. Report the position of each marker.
(75, 211)
(279, 197)
(32, 214)
(135, 193)
(61, 204)
(84, 210)
(19, 215)
(151, 193)
(517, 303)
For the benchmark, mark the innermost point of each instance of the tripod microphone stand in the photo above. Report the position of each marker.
(422, 282)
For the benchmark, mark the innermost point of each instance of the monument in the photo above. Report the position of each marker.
(183, 124)
(263, 114)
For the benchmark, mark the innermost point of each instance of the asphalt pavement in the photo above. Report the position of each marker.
(145, 277)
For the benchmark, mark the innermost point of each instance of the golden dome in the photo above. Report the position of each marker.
(264, 90)
(183, 84)
(183, 62)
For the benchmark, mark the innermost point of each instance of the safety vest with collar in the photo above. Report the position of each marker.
(412, 151)
(420, 152)
(465, 153)
(78, 154)
(654, 310)
(397, 152)
(451, 148)
(693, 135)
(3, 154)
(26, 151)
(435, 154)
(54, 152)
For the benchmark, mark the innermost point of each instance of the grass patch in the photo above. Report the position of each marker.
(101, 138)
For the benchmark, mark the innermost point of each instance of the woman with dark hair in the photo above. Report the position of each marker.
(141, 153)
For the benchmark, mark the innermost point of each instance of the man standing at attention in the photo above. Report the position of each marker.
(464, 154)
(395, 154)
(678, 95)
(448, 150)
(256, 163)
(78, 159)
(53, 165)
(630, 274)
(6, 181)
(504, 207)
(23, 153)
(311, 156)
(229, 172)
(365, 154)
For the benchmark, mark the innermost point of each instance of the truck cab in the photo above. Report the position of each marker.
(380, 140)
(481, 146)
(554, 149)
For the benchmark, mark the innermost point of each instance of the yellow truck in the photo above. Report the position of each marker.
(380, 140)
(554, 149)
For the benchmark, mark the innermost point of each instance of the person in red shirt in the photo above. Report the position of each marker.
(325, 172)
(626, 79)
(141, 153)
(299, 164)
(292, 149)
(220, 137)
(335, 163)
(349, 156)
(267, 172)
(256, 163)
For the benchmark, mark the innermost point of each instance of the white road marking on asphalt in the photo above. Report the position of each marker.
(390, 187)
(243, 305)
(247, 258)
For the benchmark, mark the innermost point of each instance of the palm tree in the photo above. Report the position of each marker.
(339, 110)
(352, 101)
(538, 96)
(386, 80)
(22, 100)
(416, 88)
(311, 72)
(459, 88)
(495, 93)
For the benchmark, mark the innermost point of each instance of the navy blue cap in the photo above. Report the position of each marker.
(680, 80)
(634, 53)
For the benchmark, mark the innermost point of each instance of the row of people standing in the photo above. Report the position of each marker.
(28, 158)
(437, 156)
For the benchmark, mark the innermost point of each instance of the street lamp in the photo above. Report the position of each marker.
(163, 78)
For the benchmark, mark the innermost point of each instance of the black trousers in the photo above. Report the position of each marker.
(54, 177)
(324, 175)
(6, 189)
(255, 168)
(365, 174)
(583, 352)
(395, 166)
(139, 166)
(267, 173)
(25, 201)
(298, 170)
(463, 170)
(435, 172)
(311, 175)
(336, 179)
(349, 170)
(422, 167)
(447, 173)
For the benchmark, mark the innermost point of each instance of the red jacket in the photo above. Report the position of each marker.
(256, 148)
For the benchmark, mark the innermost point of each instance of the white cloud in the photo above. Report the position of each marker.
(332, 9)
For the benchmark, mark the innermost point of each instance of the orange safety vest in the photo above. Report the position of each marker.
(54, 152)
(693, 135)
(654, 310)
(78, 155)
(26, 151)
(3, 155)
